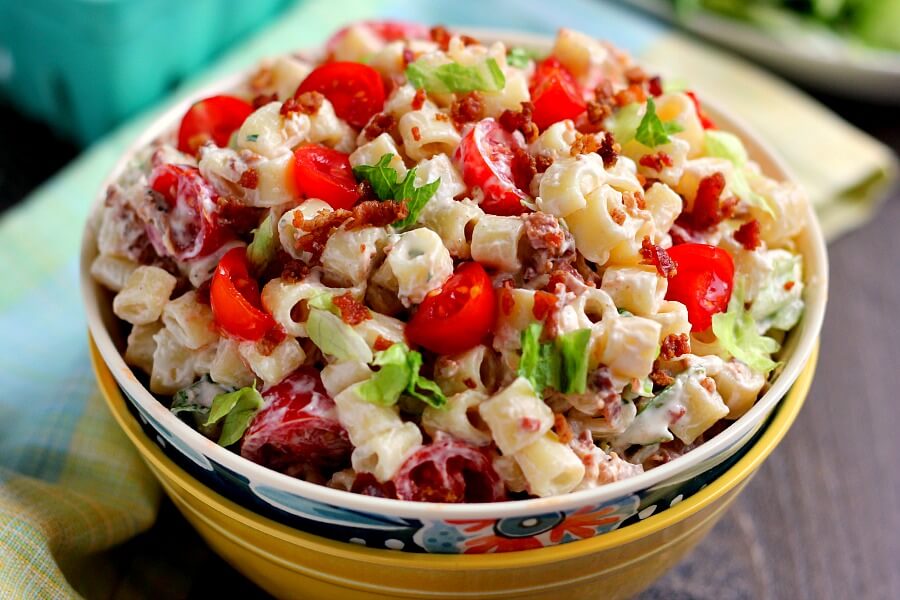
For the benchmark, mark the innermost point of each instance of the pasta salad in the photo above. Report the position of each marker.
(421, 267)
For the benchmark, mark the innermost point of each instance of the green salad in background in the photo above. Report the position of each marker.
(874, 23)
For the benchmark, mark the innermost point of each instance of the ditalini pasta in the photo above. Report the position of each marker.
(430, 269)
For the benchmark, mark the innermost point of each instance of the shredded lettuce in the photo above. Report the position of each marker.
(624, 123)
(779, 304)
(561, 365)
(383, 179)
(323, 301)
(738, 333)
(264, 244)
(722, 144)
(238, 409)
(519, 57)
(398, 373)
(454, 77)
(653, 131)
(573, 348)
(336, 338)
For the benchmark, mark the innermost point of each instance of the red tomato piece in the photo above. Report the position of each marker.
(704, 120)
(486, 155)
(324, 173)
(458, 315)
(555, 94)
(354, 89)
(215, 119)
(703, 282)
(191, 227)
(234, 298)
(298, 431)
(386, 31)
(449, 470)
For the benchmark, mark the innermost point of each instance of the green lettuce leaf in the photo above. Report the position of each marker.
(398, 373)
(381, 176)
(652, 131)
(519, 57)
(573, 348)
(264, 244)
(738, 333)
(238, 409)
(454, 77)
(624, 123)
(722, 144)
(336, 338)
(540, 363)
(779, 303)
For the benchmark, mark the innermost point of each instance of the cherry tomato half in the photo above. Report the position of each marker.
(234, 297)
(191, 227)
(355, 90)
(324, 173)
(555, 94)
(386, 31)
(449, 470)
(485, 156)
(704, 120)
(298, 430)
(215, 119)
(703, 283)
(458, 315)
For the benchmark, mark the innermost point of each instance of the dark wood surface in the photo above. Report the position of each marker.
(820, 520)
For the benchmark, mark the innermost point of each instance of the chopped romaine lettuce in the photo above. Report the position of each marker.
(738, 333)
(264, 244)
(778, 304)
(456, 78)
(336, 338)
(398, 373)
(238, 409)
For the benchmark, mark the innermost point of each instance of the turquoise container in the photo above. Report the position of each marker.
(83, 66)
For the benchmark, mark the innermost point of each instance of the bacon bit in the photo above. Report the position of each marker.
(441, 36)
(656, 161)
(442, 117)
(644, 181)
(544, 233)
(249, 179)
(635, 74)
(530, 424)
(416, 133)
(598, 112)
(544, 304)
(655, 86)
(468, 40)
(365, 190)
(604, 94)
(788, 286)
(523, 168)
(542, 162)
(270, 341)
(708, 384)
(408, 57)
(633, 93)
(470, 383)
(364, 214)
(418, 100)
(562, 429)
(584, 144)
(507, 303)
(381, 344)
(310, 102)
(289, 107)
(747, 235)
(656, 255)
(618, 215)
(353, 312)
(378, 124)
(467, 109)
(294, 271)
(262, 99)
(660, 376)
(674, 345)
(707, 213)
(609, 150)
(520, 120)
(377, 214)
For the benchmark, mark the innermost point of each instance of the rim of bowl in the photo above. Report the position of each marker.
(800, 344)
(176, 477)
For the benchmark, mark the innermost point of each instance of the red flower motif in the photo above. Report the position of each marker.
(493, 543)
(473, 525)
(583, 524)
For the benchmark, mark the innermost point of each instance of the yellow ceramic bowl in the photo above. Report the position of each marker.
(292, 564)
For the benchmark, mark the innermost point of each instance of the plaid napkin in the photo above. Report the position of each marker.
(71, 486)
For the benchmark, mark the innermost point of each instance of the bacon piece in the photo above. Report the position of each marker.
(660, 376)
(353, 312)
(310, 102)
(609, 150)
(507, 302)
(378, 124)
(467, 109)
(635, 74)
(655, 86)
(656, 255)
(706, 213)
(656, 161)
(319, 228)
(294, 271)
(562, 429)
(440, 36)
(544, 304)
(674, 345)
(418, 100)
(542, 162)
(261, 100)
(633, 93)
(788, 286)
(416, 133)
(270, 341)
(544, 232)
(520, 120)
(747, 235)
(372, 213)
(618, 215)
(249, 179)
(597, 112)
(523, 167)
(382, 343)
(584, 144)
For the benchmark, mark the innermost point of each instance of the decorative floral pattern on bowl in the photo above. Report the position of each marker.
(451, 536)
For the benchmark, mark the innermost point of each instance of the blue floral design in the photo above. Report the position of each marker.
(527, 526)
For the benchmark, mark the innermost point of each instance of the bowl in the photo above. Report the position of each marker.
(283, 560)
(445, 528)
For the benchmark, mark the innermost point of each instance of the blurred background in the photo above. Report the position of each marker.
(820, 80)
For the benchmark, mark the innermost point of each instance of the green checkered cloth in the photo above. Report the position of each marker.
(71, 486)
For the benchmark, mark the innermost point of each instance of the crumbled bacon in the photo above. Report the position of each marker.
(249, 179)
(416, 133)
(364, 214)
(294, 271)
(270, 341)
(544, 232)
(618, 215)
(674, 345)
(289, 107)
(604, 93)
(655, 86)
(706, 212)
(609, 150)
(544, 304)
(523, 167)
(656, 255)
(470, 383)
(418, 100)
(789, 285)
(381, 344)
(377, 214)
(634, 202)
(261, 100)
(507, 302)
(365, 190)
(542, 162)
(660, 376)
(467, 109)
(440, 36)
(656, 161)
(468, 40)
(520, 120)
(562, 429)
(378, 124)
(310, 102)
(584, 144)
(597, 112)
(635, 74)
(353, 312)
(633, 93)
(748, 236)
